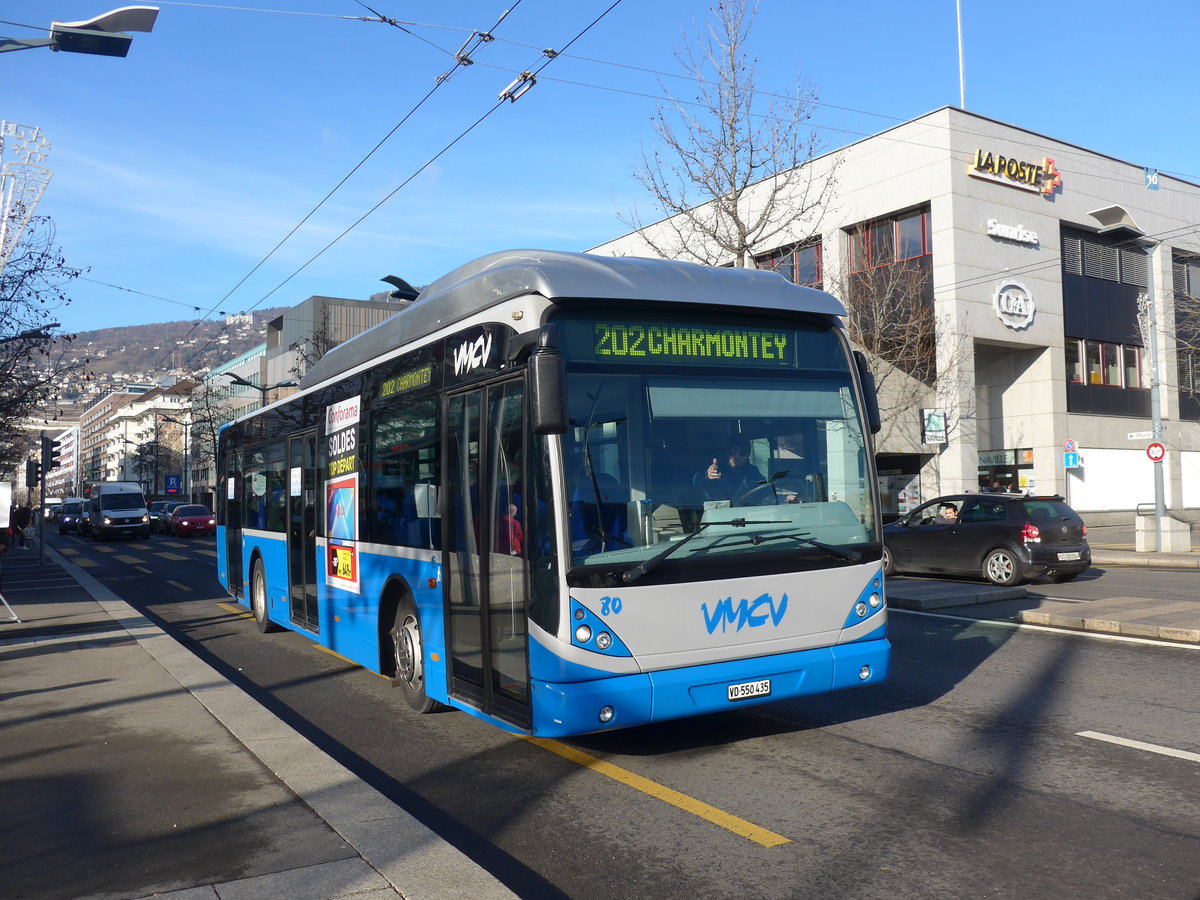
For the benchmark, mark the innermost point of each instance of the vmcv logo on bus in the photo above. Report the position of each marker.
(747, 614)
(471, 355)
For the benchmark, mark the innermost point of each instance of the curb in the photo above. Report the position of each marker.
(1132, 558)
(1163, 633)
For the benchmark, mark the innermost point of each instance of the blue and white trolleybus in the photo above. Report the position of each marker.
(568, 493)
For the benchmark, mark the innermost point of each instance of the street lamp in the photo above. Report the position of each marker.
(33, 334)
(263, 391)
(102, 35)
(125, 457)
(187, 461)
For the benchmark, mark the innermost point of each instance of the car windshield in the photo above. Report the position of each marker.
(736, 460)
(122, 501)
(193, 511)
(72, 509)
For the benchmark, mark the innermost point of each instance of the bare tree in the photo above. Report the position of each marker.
(33, 356)
(210, 410)
(731, 174)
(1186, 309)
(917, 360)
(310, 349)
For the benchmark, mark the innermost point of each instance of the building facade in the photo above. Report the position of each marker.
(1033, 263)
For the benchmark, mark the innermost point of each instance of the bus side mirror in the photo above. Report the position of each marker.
(870, 397)
(548, 384)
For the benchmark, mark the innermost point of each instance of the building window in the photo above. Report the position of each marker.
(1102, 363)
(1074, 361)
(799, 263)
(887, 241)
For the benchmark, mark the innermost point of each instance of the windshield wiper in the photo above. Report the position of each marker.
(839, 552)
(639, 570)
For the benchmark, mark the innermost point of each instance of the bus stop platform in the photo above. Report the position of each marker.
(133, 769)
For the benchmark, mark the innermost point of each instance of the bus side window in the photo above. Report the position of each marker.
(404, 474)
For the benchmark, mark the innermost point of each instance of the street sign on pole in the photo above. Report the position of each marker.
(1156, 452)
(1070, 460)
(1070, 446)
(1139, 435)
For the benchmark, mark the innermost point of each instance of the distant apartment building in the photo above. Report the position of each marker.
(311, 328)
(64, 479)
(93, 430)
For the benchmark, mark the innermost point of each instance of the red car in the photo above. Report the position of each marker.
(191, 519)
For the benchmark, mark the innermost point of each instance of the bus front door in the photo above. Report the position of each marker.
(302, 530)
(485, 560)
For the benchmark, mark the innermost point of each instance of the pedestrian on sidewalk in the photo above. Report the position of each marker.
(20, 521)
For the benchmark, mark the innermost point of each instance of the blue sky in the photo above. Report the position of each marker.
(179, 168)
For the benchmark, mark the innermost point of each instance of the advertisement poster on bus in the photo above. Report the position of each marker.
(342, 495)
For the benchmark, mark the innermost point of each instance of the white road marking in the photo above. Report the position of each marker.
(1141, 745)
(1025, 626)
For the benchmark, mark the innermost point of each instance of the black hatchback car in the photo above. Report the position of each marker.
(1006, 538)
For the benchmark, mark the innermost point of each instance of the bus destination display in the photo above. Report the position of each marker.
(406, 382)
(692, 344)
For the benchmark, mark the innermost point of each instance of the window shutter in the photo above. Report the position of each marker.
(1100, 260)
(1135, 265)
(1072, 254)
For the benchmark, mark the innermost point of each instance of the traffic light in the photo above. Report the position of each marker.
(33, 473)
(51, 450)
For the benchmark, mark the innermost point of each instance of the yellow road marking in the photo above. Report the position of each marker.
(718, 817)
(139, 546)
(182, 587)
(144, 570)
(68, 550)
(212, 553)
(104, 549)
(128, 560)
(236, 610)
(86, 563)
(173, 557)
(343, 659)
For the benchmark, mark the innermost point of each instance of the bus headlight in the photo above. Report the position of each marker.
(603, 640)
(860, 608)
(875, 601)
(864, 673)
(606, 714)
(583, 634)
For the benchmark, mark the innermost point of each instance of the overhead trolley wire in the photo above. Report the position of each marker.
(508, 95)
(461, 59)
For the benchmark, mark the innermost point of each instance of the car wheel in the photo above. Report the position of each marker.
(258, 598)
(889, 567)
(410, 658)
(1002, 568)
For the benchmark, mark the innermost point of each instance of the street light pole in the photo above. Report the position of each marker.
(1156, 428)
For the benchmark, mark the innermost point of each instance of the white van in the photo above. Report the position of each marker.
(117, 508)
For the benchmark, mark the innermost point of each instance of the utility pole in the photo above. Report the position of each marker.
(1156, 427)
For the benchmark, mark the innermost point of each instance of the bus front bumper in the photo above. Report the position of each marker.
(562, 709)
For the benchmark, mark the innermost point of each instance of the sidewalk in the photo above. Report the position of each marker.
(132, 769)
(1142, 617)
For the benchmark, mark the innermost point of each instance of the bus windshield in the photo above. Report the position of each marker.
(742, 439)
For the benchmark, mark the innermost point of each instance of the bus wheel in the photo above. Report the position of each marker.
(410, 658)
(258, 598)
